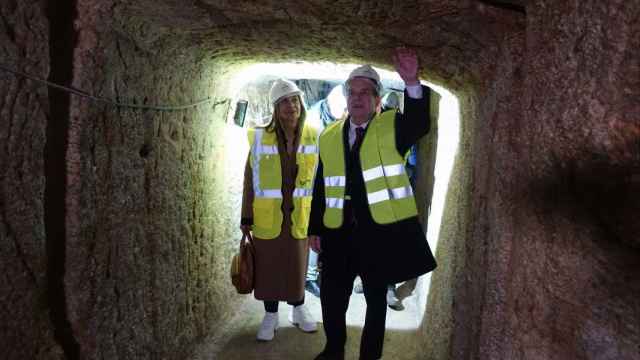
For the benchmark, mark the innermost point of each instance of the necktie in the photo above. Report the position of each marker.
(359, 137)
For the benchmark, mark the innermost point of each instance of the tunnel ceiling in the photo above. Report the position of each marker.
(454, 38)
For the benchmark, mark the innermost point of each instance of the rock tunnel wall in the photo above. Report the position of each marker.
(25, 325)
(576, 252)
(476, 218)
(127, 257)
(152, 200)
(540, 243)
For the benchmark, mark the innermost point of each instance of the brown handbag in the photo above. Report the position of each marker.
(242, 266)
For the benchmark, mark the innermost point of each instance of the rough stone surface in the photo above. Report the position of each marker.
(26, 331)
(538, 255)
(458, 35)
(153, 199)
(426, 153)
(577, 242)
(540, 237)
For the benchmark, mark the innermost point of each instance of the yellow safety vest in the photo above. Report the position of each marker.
(267, 183)
(389, 192)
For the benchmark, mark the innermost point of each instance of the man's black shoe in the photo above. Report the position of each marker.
(312, 287)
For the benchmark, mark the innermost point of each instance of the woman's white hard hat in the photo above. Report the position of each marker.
(282, 88)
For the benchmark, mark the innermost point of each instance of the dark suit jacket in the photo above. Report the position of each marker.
(389, 253)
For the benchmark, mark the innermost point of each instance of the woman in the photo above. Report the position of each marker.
(276, 202)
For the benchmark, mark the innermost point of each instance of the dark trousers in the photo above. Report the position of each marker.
(272, 306)
(335, 291)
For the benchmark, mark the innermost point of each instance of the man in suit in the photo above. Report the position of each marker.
(364, 218)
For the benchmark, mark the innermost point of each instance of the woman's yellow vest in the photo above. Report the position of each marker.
(388, 188)
(267, 183)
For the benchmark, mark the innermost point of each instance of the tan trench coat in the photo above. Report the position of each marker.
(280, 263)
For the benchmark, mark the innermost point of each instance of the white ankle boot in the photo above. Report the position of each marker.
(268, 327)
(301, 317)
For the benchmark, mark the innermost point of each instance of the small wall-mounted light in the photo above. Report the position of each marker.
(241, 111)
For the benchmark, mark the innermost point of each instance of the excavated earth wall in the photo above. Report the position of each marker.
(117, 224)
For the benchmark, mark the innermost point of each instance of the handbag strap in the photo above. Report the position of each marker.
(246, 238)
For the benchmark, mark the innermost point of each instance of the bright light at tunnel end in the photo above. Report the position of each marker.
(302, 70)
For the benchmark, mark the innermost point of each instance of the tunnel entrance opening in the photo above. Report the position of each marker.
(250, 87)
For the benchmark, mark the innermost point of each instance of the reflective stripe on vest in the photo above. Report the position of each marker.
(335, 180)
(302, 192)
(267, 183)
(380, 171)
(267, 149)
(308, 149)
(332, 155)
(258, 149)
(386, 194)
(389, 192)
(334, 203)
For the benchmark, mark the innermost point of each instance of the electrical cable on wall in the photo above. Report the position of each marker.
(87, 95)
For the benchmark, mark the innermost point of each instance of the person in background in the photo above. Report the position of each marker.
(391, 101)
(333, 107)
(312, 281)
(364, 219)
(324, 112)
(278, 182)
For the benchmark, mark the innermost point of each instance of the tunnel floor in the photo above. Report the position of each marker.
(237, 339)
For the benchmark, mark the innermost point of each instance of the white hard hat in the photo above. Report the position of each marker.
(282, 88)
(366, 71)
